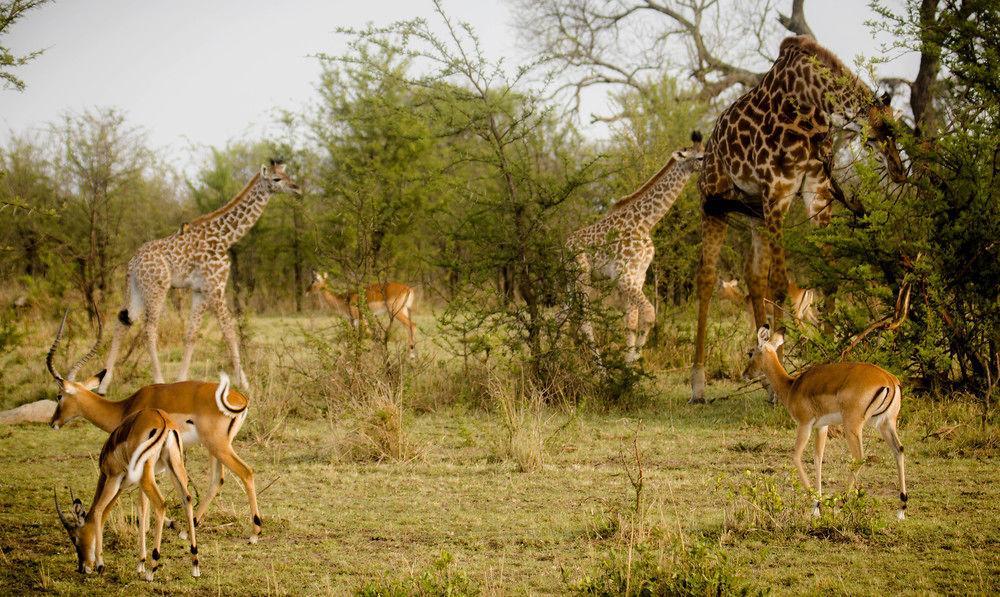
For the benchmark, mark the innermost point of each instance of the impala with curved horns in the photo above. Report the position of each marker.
(848, 394)
(205, 412)
(392, 298)
(144, 443)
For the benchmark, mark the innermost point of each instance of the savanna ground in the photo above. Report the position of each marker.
(505, 495)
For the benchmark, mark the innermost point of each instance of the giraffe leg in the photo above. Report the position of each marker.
(647, 317)
(133, 309)
(154, 308)
(227, 323)
(198, 306)
(758, 265)
(713, 232)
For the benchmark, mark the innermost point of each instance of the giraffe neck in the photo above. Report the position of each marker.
(232, 221)
(659, 194)
(833, 89)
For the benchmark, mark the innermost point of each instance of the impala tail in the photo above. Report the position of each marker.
(222, 398)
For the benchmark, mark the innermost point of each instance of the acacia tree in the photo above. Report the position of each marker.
(521, 167)
(626, 44)
(105, 174)
(10, 12)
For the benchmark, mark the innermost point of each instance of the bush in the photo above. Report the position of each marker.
(438, 579)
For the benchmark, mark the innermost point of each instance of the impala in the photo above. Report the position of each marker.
(145, 442)
(204, 412)
(802, 299)
(393, 298)
(848, 394)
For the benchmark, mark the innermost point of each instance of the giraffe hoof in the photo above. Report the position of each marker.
(196, 571)
(141, 568)
(148, 575)
(816, 512)
(253, 539)
(183, 535)
(901, 515)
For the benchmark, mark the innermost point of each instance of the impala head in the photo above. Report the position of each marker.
(82, 535)
(692, 154)
(730, 291)
(882, 123)
(70, 390)
(277, 180)
(767, 345)
(318, 282)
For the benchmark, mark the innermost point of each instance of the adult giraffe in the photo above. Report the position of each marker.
(619, 246)
(771, 143)
(195, 257)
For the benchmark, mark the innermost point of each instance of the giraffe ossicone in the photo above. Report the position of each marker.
(619, 246)
(196, 257)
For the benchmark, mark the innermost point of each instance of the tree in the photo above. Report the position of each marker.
(629, 43)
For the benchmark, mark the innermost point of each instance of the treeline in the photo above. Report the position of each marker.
(426, 162)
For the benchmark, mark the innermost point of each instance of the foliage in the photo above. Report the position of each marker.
(10, 12)
(437, 579)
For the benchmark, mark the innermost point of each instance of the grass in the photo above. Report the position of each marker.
(454, 517)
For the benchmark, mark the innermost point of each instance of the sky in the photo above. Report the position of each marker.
(199, 73)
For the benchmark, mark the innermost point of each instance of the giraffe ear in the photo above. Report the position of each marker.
(263, 169)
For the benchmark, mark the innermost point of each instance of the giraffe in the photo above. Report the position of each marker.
(195, 257)
(619, 247)
(770, 144)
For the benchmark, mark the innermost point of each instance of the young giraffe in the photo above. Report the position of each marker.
(771, 143)
(195, 257)
(619, 246)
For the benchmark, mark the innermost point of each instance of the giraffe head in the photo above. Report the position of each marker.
(882, 124)
(692, 154)
(277, 180)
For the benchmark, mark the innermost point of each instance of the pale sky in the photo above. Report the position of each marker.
(195, 73)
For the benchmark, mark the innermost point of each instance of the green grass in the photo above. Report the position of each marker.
(456, 515)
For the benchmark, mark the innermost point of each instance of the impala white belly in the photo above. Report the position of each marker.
(189, 435)
(829, 419)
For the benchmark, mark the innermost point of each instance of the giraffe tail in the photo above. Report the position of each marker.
(134, 308)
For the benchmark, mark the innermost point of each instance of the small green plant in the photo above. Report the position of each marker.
(849, 517)
(673, 565)
(438, 579)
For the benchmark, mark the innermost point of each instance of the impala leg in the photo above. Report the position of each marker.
(801, 439)
(404, 318)
(853, 434)
(107, 495)
(147, 484)
(820, 447)
(215, 480)
(143, 529)
(234, 463)
(109, 364)
(891, 437)
(178, 475)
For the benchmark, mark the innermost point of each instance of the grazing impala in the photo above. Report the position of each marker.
(393, 298)
(204, 412)
(144, 442)
(850, 394)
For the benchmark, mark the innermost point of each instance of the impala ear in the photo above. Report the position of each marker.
(729, 283)
(763, 334)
